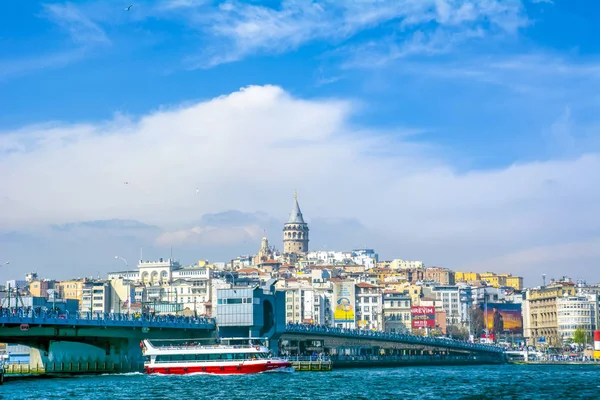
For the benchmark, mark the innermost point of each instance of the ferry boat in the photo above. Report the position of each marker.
(213, 359)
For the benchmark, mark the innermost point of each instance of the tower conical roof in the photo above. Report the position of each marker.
(296, 214)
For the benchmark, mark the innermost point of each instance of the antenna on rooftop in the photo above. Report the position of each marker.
(544, 279)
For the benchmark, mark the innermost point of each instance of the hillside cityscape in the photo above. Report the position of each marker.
(344, 289)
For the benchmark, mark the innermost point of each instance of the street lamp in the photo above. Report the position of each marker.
(232, 278)
(124, 260)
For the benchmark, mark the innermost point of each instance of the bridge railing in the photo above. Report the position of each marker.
(23, 316)
(404, 338)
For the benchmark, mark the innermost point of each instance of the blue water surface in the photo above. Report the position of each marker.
(471, 382)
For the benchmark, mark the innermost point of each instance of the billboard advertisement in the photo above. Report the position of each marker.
(343, 297)
(503, 317)
(422, 316)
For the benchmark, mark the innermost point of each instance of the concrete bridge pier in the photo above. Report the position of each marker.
(121, 354)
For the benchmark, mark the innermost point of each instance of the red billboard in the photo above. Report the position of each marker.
(423, 317)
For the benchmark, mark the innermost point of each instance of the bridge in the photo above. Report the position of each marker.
(108, 342)
(354, 347)
(105, 339)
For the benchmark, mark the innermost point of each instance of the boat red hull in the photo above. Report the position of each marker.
(217, 369)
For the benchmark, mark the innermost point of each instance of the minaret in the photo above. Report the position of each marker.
(295, 231)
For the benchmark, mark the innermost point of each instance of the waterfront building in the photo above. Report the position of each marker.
(192, 294)
(396, 312)
(160, 284)
(295, 232)
(450, 298)
(307, 305)
(71, 289)
(39, 288)
(123, 294)
(577, 312)
(13, 284)
(96, 297)
(369, 306)
(541, 305)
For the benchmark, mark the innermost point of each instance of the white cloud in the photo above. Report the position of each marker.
(249, 150)
(80, 27)
(246, 29)
(211, 236)
(21, 66)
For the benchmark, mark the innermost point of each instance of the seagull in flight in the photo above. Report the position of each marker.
(197, 190)
(129, 8)
(126, 183)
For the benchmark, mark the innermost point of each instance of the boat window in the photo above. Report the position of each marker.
(214, 356)
(163, 358)
(189, 357)
(177, 357)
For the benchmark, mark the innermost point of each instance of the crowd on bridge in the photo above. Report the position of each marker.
(46, 314)
(443, 342)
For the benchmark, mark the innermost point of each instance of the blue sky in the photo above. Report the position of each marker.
(480, 118)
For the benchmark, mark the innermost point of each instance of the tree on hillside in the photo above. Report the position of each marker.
(458, 332)
(477, 321)
(579, 336)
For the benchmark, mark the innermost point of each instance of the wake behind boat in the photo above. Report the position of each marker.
(213, 359)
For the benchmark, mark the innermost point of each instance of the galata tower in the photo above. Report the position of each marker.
(295, 231)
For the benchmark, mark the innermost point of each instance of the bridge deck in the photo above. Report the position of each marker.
(392, 337)
(106, 320)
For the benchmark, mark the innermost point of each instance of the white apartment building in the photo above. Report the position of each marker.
(308, 305)
(166, 281)
(576, 312)
(366, 257)
(96, 297)
(192, 295)
(369, 306)
(149, 272)
(404, 264)
(450, 297)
